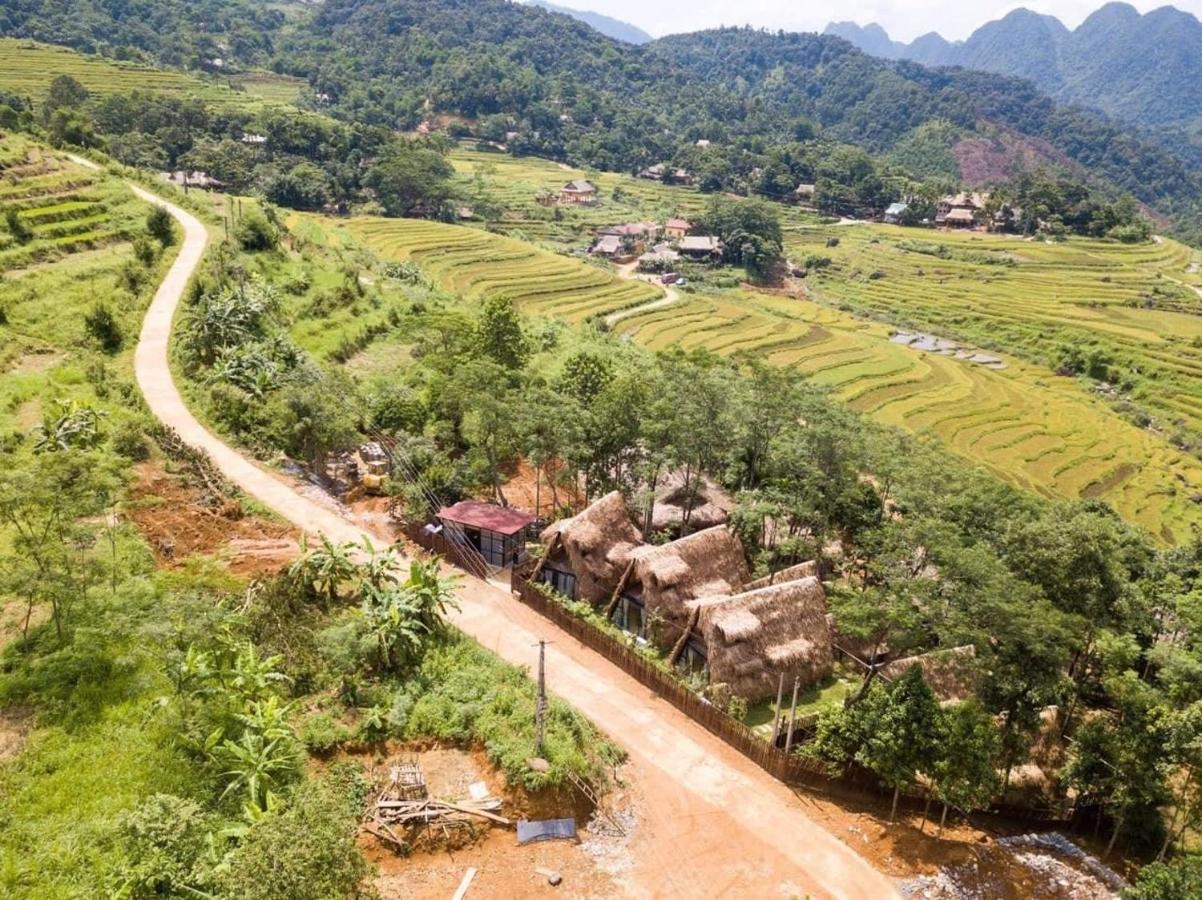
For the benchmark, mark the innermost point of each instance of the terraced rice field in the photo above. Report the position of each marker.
(65, 208)
(1026, 425)
(479, 265)
(27, 68)
(1137, 305)
(1043, 433)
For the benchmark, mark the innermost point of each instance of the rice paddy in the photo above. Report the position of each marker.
(1136, 307)
(1042, 432)
(27, 68)
(479, 265)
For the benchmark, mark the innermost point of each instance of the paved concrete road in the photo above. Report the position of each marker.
(713, 824)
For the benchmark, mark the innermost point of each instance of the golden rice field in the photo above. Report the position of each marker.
(1031, 428)
(27, 68)
(479, 265)
(1137, 304)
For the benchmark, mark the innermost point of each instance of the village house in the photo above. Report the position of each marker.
(497, 533)
(804, 194)
(608, 246)
(676, 229)
(661, 258)
(680, 177)
(193, 180)
(653, 173)
(643, 231)
(960, 210)
(701, 247)
(894, 213)
(578, 192)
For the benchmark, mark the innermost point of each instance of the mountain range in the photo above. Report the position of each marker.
(1145, 69)
(607, 25)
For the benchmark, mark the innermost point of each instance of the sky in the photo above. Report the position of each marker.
(903, 19)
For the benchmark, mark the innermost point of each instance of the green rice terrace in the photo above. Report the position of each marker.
(27, 68)
(1130, 311)
(1045, 433)
(479, 265)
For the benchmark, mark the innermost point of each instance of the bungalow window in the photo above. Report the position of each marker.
(560, 581)
(630, 616)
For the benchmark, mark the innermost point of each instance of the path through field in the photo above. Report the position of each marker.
(670, 298)
(714, 824)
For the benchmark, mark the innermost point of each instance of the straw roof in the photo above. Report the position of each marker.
(705, 564)
(801, 570)
(711, 506)
(948, 672)
(597, 544)
(753, 638)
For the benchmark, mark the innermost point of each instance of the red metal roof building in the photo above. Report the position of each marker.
(495, 531)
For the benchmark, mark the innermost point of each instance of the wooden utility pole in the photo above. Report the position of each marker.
(540, 708)
(792, 715)
(780, 690)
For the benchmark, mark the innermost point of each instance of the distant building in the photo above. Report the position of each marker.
(676, 229)
(804, 194)
(193, 179)
(680, 176)
(653, 173)
(701, 247)
(960, 204)
(646, 231)
(703, 143)
(578, 192)
(959, 218)
(894, 213)
(495, 532)
(254, 139)
(609, 245)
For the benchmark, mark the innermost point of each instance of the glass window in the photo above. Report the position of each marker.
(562, 582)
(630, 616)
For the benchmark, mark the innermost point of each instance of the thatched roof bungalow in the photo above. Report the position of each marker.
(706, 563)
(808, 569)
(710, 504)
(752, 638)
(949, 673)
(591, 550)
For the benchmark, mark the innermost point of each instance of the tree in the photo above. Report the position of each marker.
(326, 567)
(64, 93)
(161, 226)
(410, 177)
(102, 325)
(1167, 881)
(499, 333)
(964, 772)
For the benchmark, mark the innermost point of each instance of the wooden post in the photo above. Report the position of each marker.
(552, 548)
(679, 646)
(792, 716)
(780, 691)
(617, 594)
(540, 709)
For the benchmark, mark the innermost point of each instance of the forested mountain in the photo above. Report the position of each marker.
(549, 85)
(607, 25)
(1145, 69)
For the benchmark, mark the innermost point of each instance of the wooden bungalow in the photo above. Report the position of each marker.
(803, 194)
(701, 247)
(497, 533)
(894, 213)
(609, 245)
(950, 673)
(752, 638)
(708, 506)
(578, 192)
(587, 555)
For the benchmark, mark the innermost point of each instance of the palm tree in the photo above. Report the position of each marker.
(394, 620)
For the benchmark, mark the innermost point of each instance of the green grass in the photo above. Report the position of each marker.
(813, 699)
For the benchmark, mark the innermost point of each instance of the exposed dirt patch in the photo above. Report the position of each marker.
(29, 414)
(178, 524)
(36, 362)
(15, 725)
(13, 620)
(436, 866)
(986, 160)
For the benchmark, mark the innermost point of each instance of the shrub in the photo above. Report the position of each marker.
(164, 841)
(129, 441)
(17, 227)
(256, 234)
(103, 326)
(160, 226)
(144, 251)
(322, 733)
(305, 851)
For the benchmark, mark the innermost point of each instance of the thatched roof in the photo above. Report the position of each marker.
(753, 638)
(948, 672)
(597, 544)
(705, 564)
(801, 570)
(711, 505)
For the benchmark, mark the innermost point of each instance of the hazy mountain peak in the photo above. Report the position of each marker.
(611, 27)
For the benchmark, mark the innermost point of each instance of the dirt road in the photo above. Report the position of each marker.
(670, 298)
(714, 824)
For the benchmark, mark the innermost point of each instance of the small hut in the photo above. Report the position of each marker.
(709, 505)
(588, 554)
(707, 563)
(753, 638)
(949, 673)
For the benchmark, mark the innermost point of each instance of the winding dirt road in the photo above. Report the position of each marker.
(712, 824)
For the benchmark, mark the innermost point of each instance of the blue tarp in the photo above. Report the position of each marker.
(546, 830)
